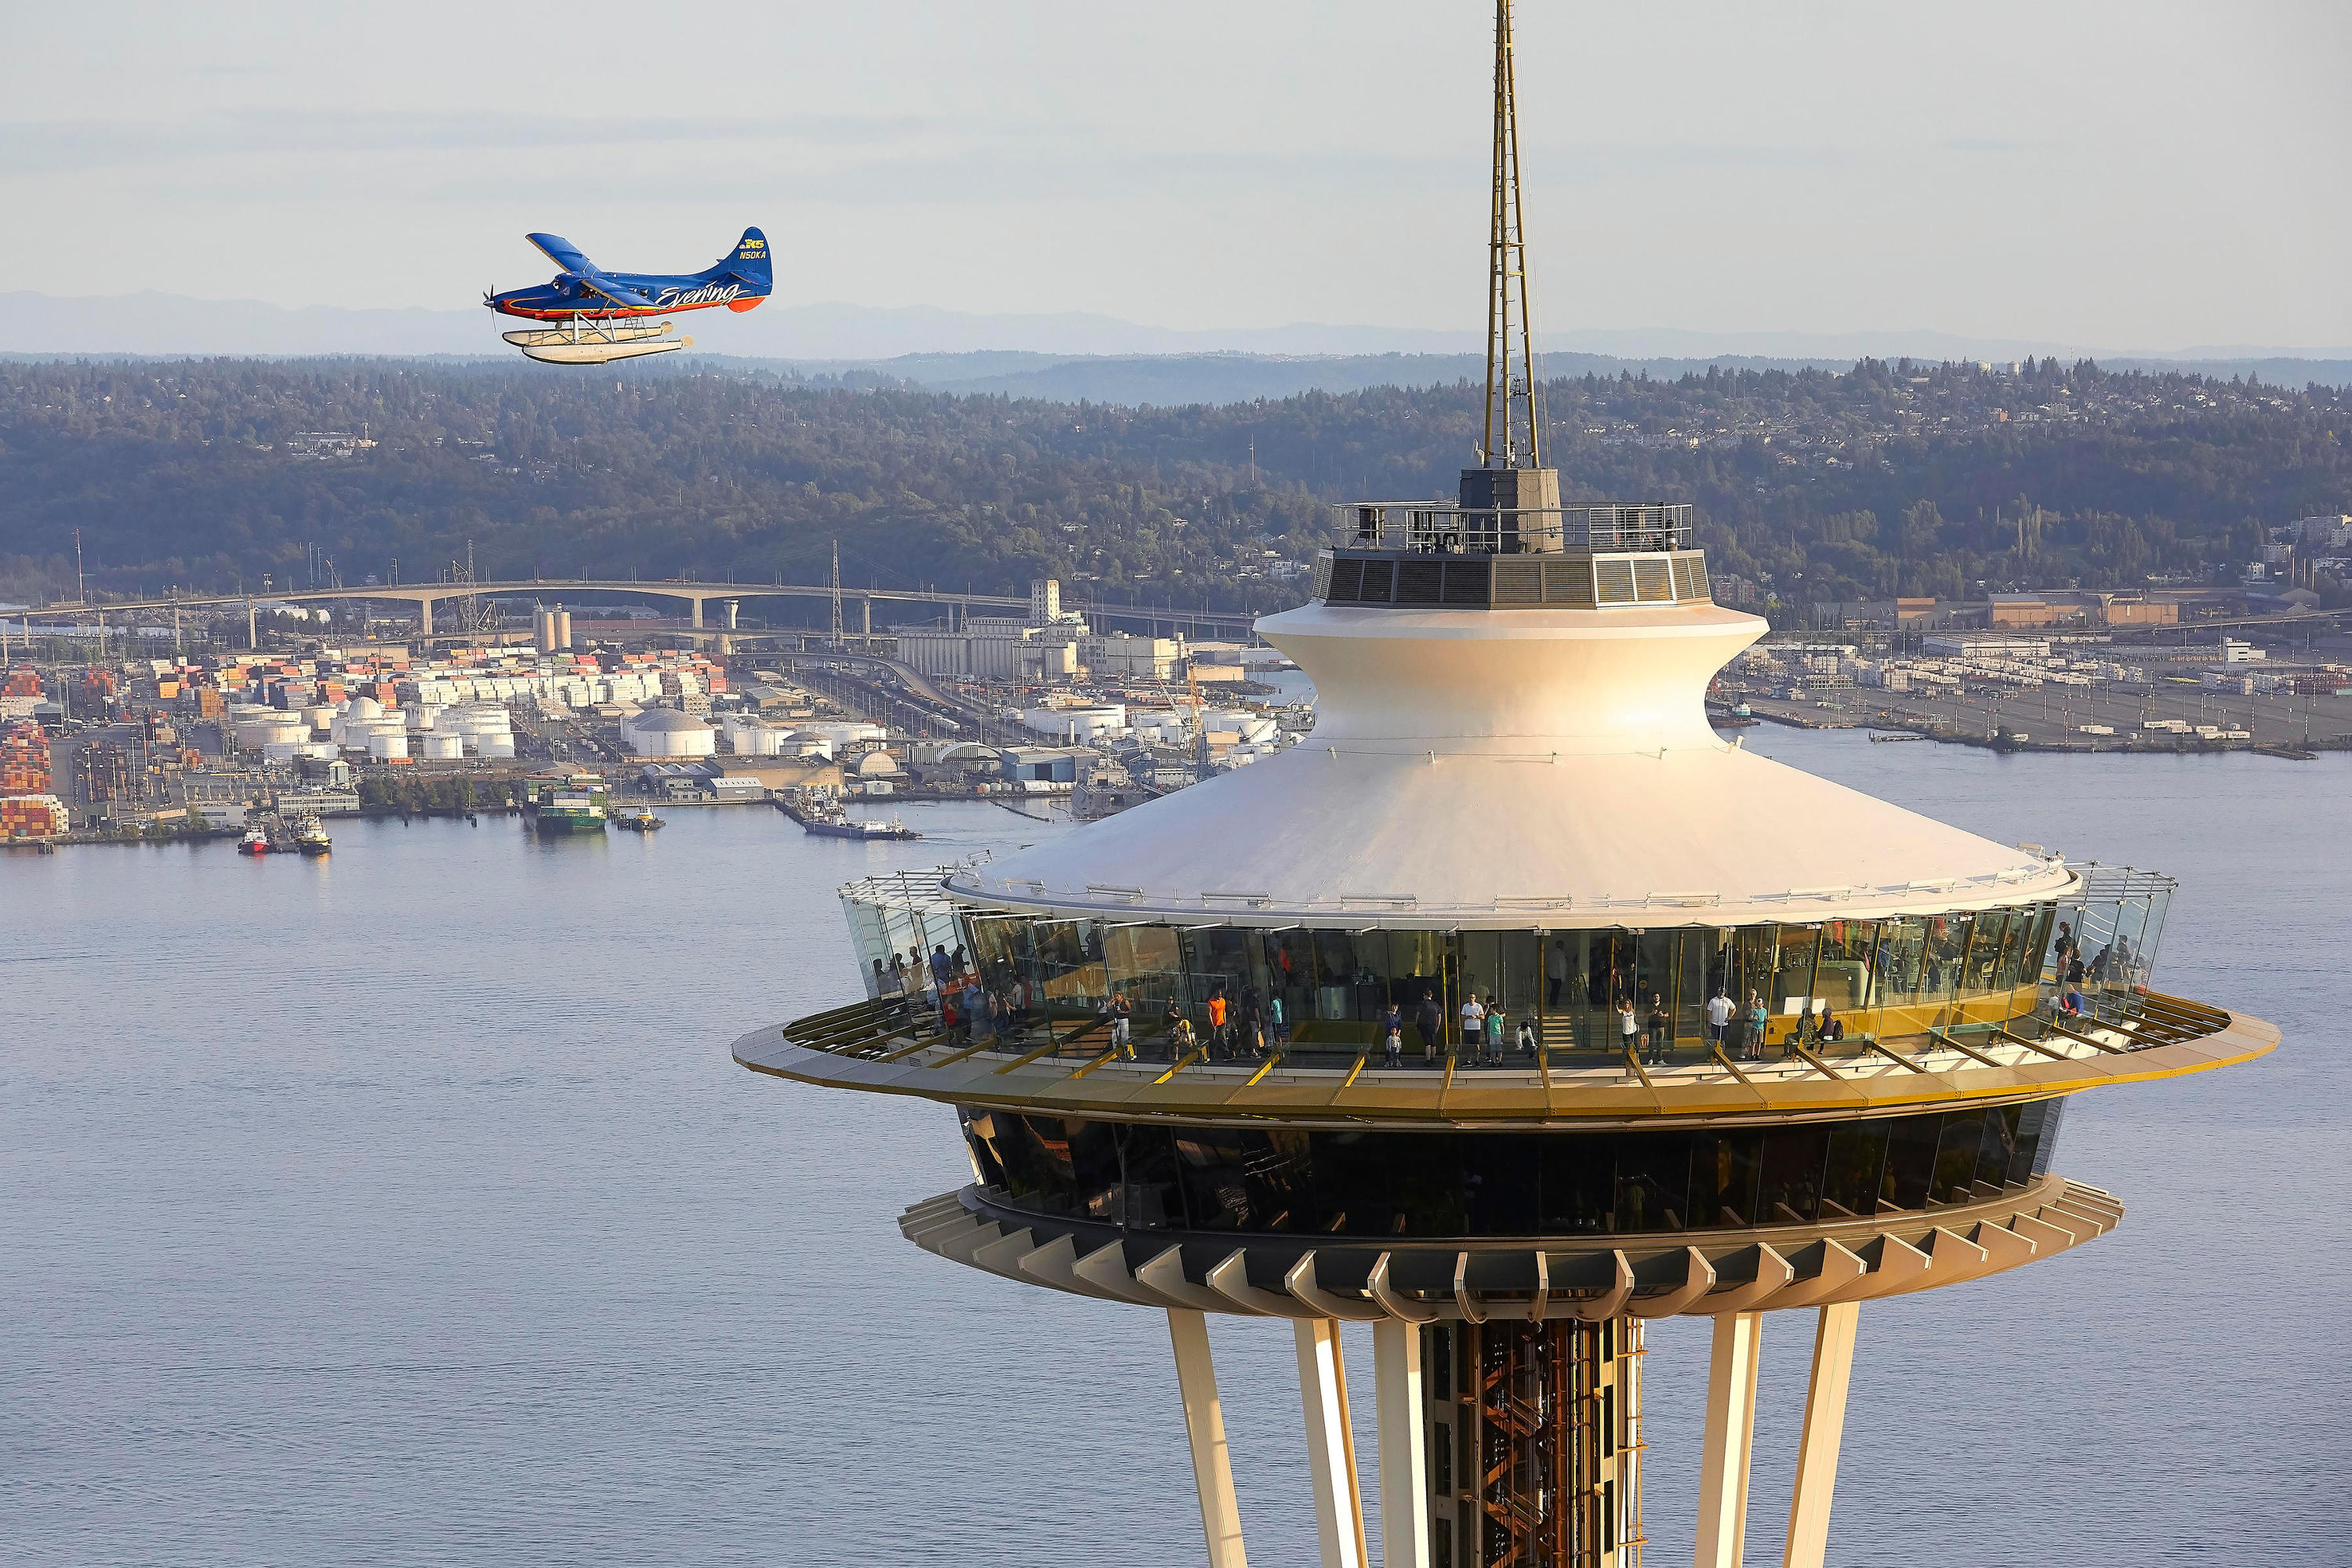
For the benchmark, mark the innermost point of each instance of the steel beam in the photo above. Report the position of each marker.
(1330, 1443)
(1204, 1426)
(1403, 1444)
(1817, 1451)
(1730, 1441)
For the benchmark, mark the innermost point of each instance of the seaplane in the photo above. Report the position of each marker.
(599, 317)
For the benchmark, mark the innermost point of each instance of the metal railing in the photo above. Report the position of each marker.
(1443, 528)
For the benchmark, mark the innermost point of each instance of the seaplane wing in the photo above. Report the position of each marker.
(613, 288)
(562, 252)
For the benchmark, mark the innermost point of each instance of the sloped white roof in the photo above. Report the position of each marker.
(1511, 770)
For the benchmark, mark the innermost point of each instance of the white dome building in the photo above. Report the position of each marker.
(667, 733)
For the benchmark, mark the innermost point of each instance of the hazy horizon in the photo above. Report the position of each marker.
(2148, 179)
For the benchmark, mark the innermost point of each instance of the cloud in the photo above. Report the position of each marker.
(45, 147)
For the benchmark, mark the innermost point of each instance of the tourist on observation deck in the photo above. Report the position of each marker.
(1758, 1022)
(1393, 1035)
(1555, 973)
(1629, 1028)
(1219, 1038)
(1430, 1023)
(1122, 1024)
(1719, 1012)
(1496, 1025)
(1474, 1023)
(1659, 1031)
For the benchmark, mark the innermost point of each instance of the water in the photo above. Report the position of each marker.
(406, 1208)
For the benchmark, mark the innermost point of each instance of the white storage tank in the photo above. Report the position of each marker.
(389, 747)
(667, 733)
(317, 717)
(437, 747)
(495, 746)
(282, 750)
(324, 750)
(421, 715)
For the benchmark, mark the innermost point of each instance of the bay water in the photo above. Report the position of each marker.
(404, 1207)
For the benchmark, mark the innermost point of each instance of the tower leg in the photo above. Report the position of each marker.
(1730, 1438)
(1404, 1435)
(1204, 1425)
(424, 618)
(1816, 1452)
(1331, 1442)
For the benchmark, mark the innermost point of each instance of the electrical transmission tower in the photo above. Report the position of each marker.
(836, 593)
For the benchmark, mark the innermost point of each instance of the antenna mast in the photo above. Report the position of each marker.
(1510, 499)
(1510, 338)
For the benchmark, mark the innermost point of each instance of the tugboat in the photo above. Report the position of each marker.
(255, 842)
(640, 821)
(826, 819)
(311, 836)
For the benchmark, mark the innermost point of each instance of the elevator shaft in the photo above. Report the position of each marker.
(1534, 1444)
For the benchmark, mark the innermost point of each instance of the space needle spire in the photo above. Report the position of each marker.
(1510, 492)
(1514, 434)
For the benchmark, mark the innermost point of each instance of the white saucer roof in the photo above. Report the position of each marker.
(1506, 770)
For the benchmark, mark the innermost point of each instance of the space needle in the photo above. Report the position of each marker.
(1587, 1017)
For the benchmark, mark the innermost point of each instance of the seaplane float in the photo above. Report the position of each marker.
(594, 317)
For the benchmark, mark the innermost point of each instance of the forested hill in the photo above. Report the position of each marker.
(1885, 478)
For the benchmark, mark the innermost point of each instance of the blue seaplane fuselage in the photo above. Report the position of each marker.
(584, 291)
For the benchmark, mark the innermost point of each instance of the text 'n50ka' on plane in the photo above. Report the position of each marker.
(602, 316)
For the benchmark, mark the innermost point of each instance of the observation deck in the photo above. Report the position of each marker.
(1433, 554)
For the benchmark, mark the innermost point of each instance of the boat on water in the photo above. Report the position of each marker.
(1897, 735)
(311, 836)
(573, 804)
(826, 819)
(255, 842)
(640, 821)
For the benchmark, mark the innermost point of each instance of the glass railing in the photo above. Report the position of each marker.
(1430, 527)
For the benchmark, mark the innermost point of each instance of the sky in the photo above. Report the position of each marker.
(2149, 177)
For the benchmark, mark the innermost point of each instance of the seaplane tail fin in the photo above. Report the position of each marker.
(562, 252)
(748, 261)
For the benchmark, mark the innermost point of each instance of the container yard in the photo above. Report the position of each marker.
(1044, 715)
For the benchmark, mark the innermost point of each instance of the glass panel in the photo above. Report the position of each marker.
(2159, 905)
(1146, 963)
(2028, 1140)
(1652, 1171)
(1147, 1160)
(1994, 1154)
(1790, 997)
(1910, 1162)
(1955, 1158)
(1857, 1165)
(1791, 1189)
(2049, 1144)
(1724, 1169)
(1579, 1185)
(1842, 980)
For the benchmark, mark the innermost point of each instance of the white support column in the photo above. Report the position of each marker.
(1816, 1452)
(1204, 1425)
(1331, 1442)
(1403, 1444)
(1730, 1440)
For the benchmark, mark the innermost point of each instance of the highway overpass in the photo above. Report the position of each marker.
(696, 595)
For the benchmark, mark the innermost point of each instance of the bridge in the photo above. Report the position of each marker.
(698, 596)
